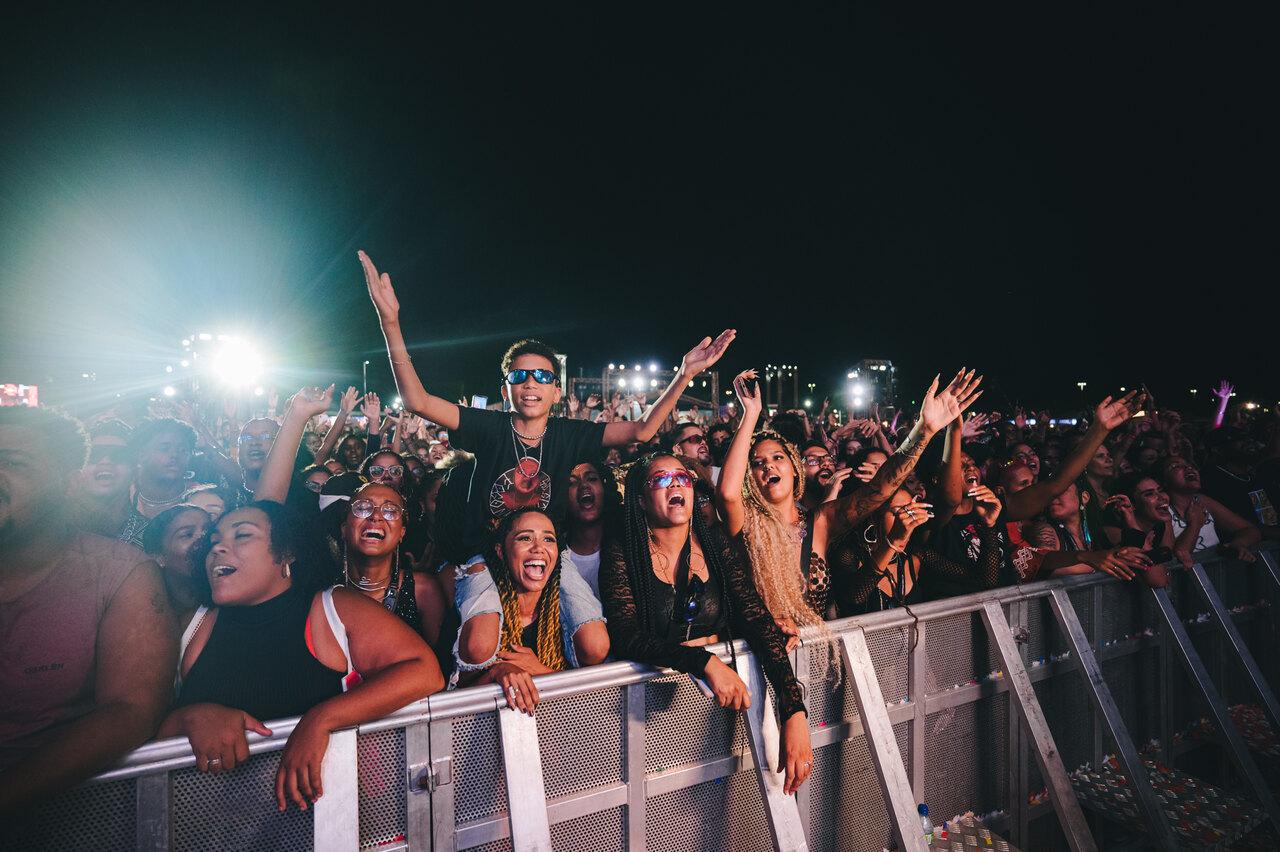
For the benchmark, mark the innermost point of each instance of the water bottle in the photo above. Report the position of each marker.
(926, 824)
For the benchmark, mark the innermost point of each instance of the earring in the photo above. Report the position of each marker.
(346, 575)
(287, 573)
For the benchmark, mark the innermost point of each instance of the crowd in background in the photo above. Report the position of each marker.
(178, 572)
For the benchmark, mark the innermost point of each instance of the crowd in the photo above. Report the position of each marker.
(184, 574)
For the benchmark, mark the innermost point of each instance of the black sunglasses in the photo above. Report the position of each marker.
(692, 604)
(542, 377)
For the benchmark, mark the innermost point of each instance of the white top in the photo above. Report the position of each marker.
(588, 566)
(1208, 533)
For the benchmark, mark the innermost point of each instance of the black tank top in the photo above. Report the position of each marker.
(256, 660)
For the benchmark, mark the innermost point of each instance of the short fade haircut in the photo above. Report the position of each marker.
(148, 430)
(112, 427)
(57, 433)
(529, 346)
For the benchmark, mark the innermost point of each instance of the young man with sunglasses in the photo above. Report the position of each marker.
(523, 457)
(100, 492)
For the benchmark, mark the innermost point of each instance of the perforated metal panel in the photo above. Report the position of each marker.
(98, 817)
(603, 831)
(572, 762)
(236, 811)
(725, 815)
(890, 654)
(480, 782)
(847, 811)
(957, 651)
(382, 782)
(683, 726)
(503, 845)
(966, 757)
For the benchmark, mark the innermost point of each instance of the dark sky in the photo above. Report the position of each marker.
(1052, 198)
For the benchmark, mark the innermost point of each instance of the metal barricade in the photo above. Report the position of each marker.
(622, 757)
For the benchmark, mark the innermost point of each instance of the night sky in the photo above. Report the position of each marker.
(1049, 197)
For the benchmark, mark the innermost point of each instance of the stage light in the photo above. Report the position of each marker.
(186, 343)
(397, 403)
(613, 366)
(236, 363)
(184, 363)
(850, 375)
(169, 391)
(259, 390)
(808, 403)
(622, 383)
(653, 368)
(653, 383)
(168, 368)
(637, 368)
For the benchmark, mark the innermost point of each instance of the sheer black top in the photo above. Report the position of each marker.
(742, 614)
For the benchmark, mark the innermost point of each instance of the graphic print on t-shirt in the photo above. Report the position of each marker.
(524, 486)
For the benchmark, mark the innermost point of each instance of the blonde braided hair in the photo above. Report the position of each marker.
(774, 551)
(550, 648)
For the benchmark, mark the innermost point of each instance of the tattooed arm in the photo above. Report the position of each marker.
(938, 409)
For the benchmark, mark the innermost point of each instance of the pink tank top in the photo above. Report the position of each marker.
(49, 637)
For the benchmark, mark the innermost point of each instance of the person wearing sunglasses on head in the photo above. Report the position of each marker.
(100, 492)
(252, 445)
(372, 529)
(671, 586)
(523, 457)
(530, 613)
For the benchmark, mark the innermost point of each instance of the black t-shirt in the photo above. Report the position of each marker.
(507, 475)
(1248, 496)
(960, 541)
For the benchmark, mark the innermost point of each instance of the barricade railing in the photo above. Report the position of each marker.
(981, 706)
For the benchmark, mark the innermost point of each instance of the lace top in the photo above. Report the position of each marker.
(743, 614)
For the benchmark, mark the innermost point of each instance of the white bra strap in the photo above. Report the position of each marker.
(336, 625)
(192, 626)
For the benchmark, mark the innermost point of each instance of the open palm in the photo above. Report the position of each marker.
(941, 407)
(1112, 413)
(380, 289)
(708, 352)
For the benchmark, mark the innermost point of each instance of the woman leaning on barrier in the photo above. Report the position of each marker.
(277, 642)
(530, 613)
(671, 586)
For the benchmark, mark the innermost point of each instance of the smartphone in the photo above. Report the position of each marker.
(478, 401)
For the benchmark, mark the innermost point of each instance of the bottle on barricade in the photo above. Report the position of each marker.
(926, 824)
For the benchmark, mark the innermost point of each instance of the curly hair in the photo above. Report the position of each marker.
(774, 550)
(529, 346)
(57, 434)
(546, 614)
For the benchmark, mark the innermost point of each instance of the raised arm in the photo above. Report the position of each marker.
(734, 472)
(346, 405)
(277, 470)
(701, 357)
(1223, 392)
(937, 410)
(415, 396)
(1110, 414)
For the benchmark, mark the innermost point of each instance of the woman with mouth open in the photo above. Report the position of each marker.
(671, 586)
(529, 614)
(277, 642)
(787, 546)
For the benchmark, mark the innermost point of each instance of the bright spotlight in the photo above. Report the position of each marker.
(859, 390)
(653, 383)
(613, 366)
(237, 363)
(637, 368)
(849, 375)
(622, 383)
(259, 390)
(397, 403)
(184, 363)
(808, 403)
(168, 368)
(169, 391)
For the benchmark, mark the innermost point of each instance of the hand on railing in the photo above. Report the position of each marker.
(298, 777)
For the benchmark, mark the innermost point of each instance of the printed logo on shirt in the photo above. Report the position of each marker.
(47, 667)
(524, 486)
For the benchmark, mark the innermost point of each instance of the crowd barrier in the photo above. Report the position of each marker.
(974, 703)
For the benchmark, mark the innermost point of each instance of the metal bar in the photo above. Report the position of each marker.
(337, 812)
(919, 710)
(482, 831)
(1018, 779)
(634, 701)
(444, 828)
(1105, 705)
(1242, 652)
(800, 658)
(882, 743)
(155, 807)
(420, 782)
(526, 794)
(1273, 568)
(1070, 817)
(1235, 743)
(781, 811)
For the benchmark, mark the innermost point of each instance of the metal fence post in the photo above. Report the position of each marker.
(155, 812)
(635, 767)
(526, 794)
(337, 812)
(444, 828)
(781, 812)
(892, 775)
(421, 782)
(1061, 792)
(1105, 705)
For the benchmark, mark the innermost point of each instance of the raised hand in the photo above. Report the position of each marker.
(380, 290)
(986, 504)
(575, 405)
(593, 400)
(975, 426)
(941, 407)
(748, 393)
(707, 353)
(371, 408)
(1112, 413)
(308, 402)
(906, 518)
(1224, 390)
(347, 403)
